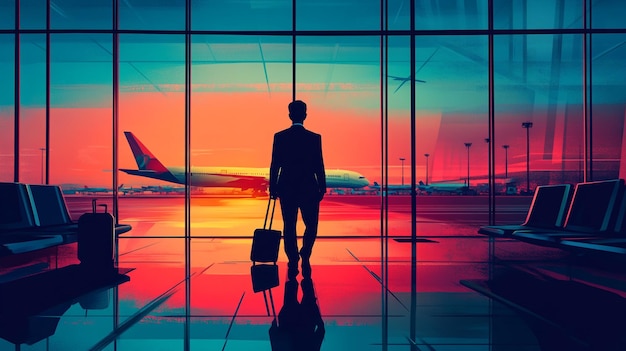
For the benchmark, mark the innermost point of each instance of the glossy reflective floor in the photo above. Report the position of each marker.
(361, 285)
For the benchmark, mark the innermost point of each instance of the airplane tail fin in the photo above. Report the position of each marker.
(146, 161)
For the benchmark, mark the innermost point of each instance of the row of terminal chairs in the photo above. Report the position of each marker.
(588, 220)
(34, 217)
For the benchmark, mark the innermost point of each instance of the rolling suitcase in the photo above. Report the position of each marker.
(266, 242)
(96, 232)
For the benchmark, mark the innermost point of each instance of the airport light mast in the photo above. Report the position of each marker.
(426, 155)
(527, 126)
(43, 150)
(467, 145)
(402, 160)
(506, 160)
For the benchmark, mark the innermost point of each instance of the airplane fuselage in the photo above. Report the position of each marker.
(247, 178)
(244, 178)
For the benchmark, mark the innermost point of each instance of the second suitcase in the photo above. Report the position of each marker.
(266, 242)
(96, 232)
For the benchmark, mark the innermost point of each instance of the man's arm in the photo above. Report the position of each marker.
(274, 169)
(320, 173)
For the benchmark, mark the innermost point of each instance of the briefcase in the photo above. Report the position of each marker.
(266, 241)
(96, 232)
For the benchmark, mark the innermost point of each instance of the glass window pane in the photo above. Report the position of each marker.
(608, 107)
(543, 87)
(152, 15)
(7, 104)
(246, 77)
(339, 79)
(33, 14)
(447, 15)
(451, 111)
(399, 15)
(80, 114)
(607, 13)
(537, 14)
(79, 14)
(7, 14)
(338, 14)
(241, 88)
(32, 108)
(240, 15)
(152, 108)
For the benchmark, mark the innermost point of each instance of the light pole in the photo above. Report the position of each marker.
(426, 167)
(527, 126)
(506, 160)
(467, 145)
(402, 160)
(43, 149)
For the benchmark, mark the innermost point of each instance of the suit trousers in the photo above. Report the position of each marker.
(309, 209)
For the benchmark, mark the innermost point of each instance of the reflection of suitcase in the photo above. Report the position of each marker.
(264, 278)
(96, 232)
(266, 242)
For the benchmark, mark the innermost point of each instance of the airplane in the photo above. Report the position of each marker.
(408, 79)
(129, 190)
(164, 189)
(446, 188)
(404, 80)
(391, 188)
(256, 179)
(91, 190)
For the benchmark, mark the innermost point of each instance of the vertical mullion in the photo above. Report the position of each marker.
(413, 312)
(115, 91)
(492, 121)
(187, 340)
(47, 165)
(16, 109)
(384, 233)
(115, 107)
(293, 50)
(584, 84)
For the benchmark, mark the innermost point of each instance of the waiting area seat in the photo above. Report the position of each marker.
(546, 212)
(591, 214)
(34, 217)
(595, 223)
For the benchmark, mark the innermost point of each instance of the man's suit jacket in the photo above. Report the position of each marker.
(297, 168)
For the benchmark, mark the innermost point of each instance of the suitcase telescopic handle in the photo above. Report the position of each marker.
(93, 206)
(267, 211)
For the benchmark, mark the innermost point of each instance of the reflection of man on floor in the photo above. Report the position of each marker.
(300, 326)
(298, 178)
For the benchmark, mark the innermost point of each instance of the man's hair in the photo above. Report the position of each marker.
(297, 111)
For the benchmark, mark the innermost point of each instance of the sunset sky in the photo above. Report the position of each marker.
(241, 86)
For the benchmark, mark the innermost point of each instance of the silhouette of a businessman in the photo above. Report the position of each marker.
(298, 179)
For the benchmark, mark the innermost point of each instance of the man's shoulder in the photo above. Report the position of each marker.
(312, 133)
(282, 132)
(297, 131)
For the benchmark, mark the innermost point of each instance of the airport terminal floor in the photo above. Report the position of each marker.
(464, 291)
